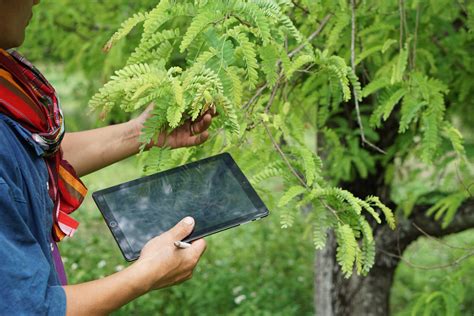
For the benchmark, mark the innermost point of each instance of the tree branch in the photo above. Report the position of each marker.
(282, 154)
(299, 6)
(409, 229)
(354, 91)
(312, 36)
(421, 267)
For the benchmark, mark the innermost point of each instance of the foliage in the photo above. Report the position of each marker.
(219, 50)
(414, 71)
(439, 284)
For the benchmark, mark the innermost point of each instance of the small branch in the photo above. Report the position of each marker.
(282, 154)
(295, 173)
(461, 181)
(241, 21)
(333, 211)
(400, 9)
(356, 97)
(312, 36)
(439, 241)
(462, 220)
(421, 267)
(299, 6)
(272, 96)
(415, 39)
(255, 96)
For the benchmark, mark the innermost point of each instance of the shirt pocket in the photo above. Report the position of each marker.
(14, 191)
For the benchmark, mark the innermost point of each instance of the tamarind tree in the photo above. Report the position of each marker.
(359, 109)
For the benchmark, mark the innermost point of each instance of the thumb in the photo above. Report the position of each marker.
(183, 228)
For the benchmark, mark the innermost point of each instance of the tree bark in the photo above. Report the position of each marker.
(370, 295)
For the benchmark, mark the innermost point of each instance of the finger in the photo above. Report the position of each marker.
(182, 229)
(199, 246)
(212, 110)
(202, 124)
(198, 139)
(149, 108)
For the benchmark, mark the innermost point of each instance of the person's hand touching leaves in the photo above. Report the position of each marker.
(191, 133)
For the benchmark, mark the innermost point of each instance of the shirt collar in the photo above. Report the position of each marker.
(23, 133)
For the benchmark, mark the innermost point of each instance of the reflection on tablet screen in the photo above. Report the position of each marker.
(209, 192)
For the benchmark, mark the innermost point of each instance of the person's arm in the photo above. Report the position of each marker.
(88, 151)
(161, 264)
(25, 269)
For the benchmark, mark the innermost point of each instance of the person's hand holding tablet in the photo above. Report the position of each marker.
(139, 210)
(163, 263)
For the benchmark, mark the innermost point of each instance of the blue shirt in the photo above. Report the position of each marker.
(29, 284)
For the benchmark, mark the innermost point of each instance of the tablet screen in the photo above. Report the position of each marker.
(213, 191)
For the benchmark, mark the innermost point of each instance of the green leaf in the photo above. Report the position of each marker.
(389, 217)
(290, 194)
(270, 55)
(125, 28)
(388, 43)
(386, 108)
(400, 66)
(347, 248)
(199, 23)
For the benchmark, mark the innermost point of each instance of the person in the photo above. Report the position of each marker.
(40, 166)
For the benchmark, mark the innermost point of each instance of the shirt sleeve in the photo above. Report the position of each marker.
(24, 268)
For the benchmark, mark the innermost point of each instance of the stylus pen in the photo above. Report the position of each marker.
(182, 244)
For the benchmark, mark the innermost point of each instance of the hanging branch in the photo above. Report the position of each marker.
(354, 91)
(400, 8)
(415, 38)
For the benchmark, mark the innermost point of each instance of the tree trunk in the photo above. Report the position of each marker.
(370, 295)
(336, 295)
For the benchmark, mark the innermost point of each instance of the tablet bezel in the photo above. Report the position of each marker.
(122, 241)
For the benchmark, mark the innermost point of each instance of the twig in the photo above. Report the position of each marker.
(321, 26)
(460, 179)
(421, 267)
(439, 240)
(356, 97)
(241, 21)
(282, 154)
(255, 96)
(299, 6)
(295, 173)
(333, 211)
(400, 9)
(415, 38)
(272, 96)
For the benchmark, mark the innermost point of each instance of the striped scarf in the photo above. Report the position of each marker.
(28, 98)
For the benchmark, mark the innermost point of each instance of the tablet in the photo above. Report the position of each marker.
(214, 191)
